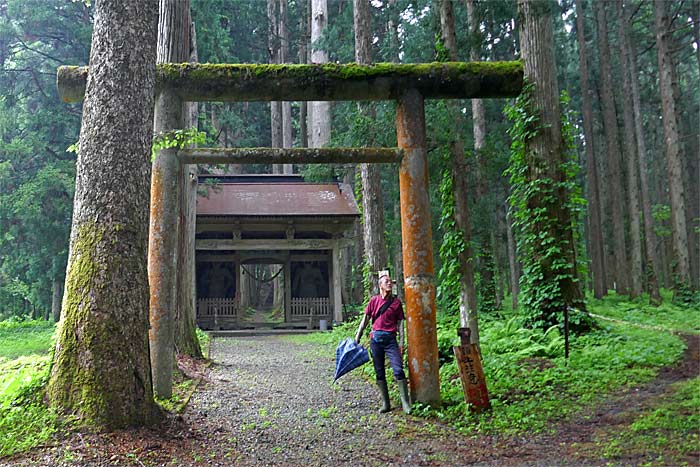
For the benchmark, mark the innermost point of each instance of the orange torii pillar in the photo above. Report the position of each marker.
(417, 246)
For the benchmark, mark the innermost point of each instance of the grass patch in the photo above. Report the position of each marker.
(531, 384)
(204, 342)
(25, 421)
(182, 390)
(21, 338)
(665, 435)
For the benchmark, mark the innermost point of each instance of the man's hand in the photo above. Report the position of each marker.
(401, 349)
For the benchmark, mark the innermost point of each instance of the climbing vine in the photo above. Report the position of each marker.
(450, 249)
(546, 249)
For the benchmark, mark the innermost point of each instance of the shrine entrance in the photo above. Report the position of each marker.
(407, 84)
(268, 251)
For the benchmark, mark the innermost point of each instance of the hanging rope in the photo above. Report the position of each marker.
(263, 280)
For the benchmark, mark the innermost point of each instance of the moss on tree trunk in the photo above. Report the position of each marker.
(100, 369)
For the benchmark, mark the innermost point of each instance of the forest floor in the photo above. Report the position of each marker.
(269, 401)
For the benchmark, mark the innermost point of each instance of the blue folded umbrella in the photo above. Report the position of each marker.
(349, 356)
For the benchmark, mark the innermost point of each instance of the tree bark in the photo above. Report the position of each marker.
(486, 254)
(695, 193)
(545, 150)
(56, 296)
(274, 56)
(286, 106)
(186, 341)
(372, 201)
(653, 265)
(630, 156)
(674, 149)
(612, 145)
(303, 59)
(101, 371)
(320, 111)
(594, 205)
(458, 171)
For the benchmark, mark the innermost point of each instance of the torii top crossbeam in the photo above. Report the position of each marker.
(321, 82)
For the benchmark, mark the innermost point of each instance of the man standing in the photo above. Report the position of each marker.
(386, 313)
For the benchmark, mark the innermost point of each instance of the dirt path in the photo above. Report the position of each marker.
(268, 401)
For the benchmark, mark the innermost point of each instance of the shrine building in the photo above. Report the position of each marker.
(270, 242)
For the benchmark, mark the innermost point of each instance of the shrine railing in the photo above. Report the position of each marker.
(215, 313)
(315, 308)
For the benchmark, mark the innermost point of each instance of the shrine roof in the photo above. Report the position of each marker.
(275, 196)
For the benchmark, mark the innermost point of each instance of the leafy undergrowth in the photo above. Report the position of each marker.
(25, 421)
(666, 316)
(531, 385)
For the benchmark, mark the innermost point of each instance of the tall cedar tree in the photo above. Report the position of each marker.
(630, 156)
(594, 218)
(653, 265)
(618, 248)
(101, 371)
(674, 148)
(319, 111)
(372, 200)
(458, 172)
(545, 157)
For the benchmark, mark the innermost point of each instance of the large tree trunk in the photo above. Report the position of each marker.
(186, 341)
(458, 171)
(173, 47)
(320, 112)
(674, 149)
(486, 254)
(594, 205)
(653, 264)
(101, 371)
(614, 179)
(630, 155)
(695, 192)
(545, 153)
(372, 200)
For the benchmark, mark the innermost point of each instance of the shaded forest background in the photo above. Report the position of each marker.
(625, 143)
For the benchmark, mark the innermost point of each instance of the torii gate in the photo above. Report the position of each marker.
(409, 85)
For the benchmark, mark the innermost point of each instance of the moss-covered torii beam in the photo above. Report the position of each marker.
(290, 155)
(318, 82)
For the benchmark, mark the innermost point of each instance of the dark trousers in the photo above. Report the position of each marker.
(384, 344)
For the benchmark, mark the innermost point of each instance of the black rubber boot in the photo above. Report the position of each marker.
(384, 391)
(403, 392)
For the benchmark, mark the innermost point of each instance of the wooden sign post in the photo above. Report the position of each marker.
(471, 373)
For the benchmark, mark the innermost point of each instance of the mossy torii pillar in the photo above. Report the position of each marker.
(409, 85)
(417, 246)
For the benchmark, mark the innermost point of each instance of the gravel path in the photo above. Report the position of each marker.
(274, 403)
(267, 401)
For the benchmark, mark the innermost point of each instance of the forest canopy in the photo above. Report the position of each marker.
(631, 179)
